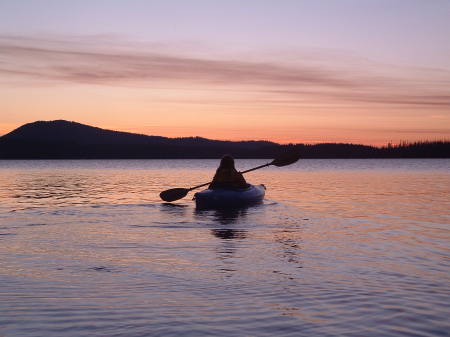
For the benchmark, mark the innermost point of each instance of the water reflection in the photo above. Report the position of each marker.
(223, 216)
(229, 233)
(290, 241)
(54, 189)
(174, 209)
(229, 217)
(229, 227)
(226, 219)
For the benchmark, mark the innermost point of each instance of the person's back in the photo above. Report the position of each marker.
(227, 176)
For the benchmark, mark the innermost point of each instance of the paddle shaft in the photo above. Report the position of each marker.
(256, 168)
(195, 187)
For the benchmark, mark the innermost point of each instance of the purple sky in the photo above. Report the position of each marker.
(351, 57)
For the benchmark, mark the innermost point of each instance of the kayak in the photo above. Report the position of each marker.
(230, 198)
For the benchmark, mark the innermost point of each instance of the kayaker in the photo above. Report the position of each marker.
(227, 176)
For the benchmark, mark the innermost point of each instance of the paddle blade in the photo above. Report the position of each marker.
(173, 194)
(286, 159)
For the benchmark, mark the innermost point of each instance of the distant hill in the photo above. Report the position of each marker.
(62, 139)
(71, 132)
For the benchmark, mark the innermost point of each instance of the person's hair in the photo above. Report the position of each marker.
(227, 162)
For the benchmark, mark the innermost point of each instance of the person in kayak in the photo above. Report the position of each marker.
(227, 176)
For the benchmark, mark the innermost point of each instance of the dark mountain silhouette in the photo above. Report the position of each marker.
(70, 140)
(71, 132)
(63, 139)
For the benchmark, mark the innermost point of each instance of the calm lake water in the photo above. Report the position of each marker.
(339, 248)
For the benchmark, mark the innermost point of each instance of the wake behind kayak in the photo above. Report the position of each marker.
(230, 198)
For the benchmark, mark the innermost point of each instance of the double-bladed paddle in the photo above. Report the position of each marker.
(178, 193)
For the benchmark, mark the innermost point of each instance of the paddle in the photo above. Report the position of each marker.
(178, 193)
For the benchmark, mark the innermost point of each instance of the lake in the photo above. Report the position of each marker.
(338, 248)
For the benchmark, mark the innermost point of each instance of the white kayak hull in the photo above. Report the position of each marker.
(230, 198)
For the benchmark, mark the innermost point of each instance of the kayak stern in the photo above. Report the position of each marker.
(230, 198)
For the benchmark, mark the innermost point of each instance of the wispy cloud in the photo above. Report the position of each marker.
(83, 64)
(91, 61)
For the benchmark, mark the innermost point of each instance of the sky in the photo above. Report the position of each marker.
(360, 71)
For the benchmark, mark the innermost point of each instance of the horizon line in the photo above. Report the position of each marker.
(380, 145)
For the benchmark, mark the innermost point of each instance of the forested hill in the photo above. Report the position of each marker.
(70, 140)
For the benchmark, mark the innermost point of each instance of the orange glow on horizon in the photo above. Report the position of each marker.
(224, 134)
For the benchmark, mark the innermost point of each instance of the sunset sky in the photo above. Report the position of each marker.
(361, 71)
